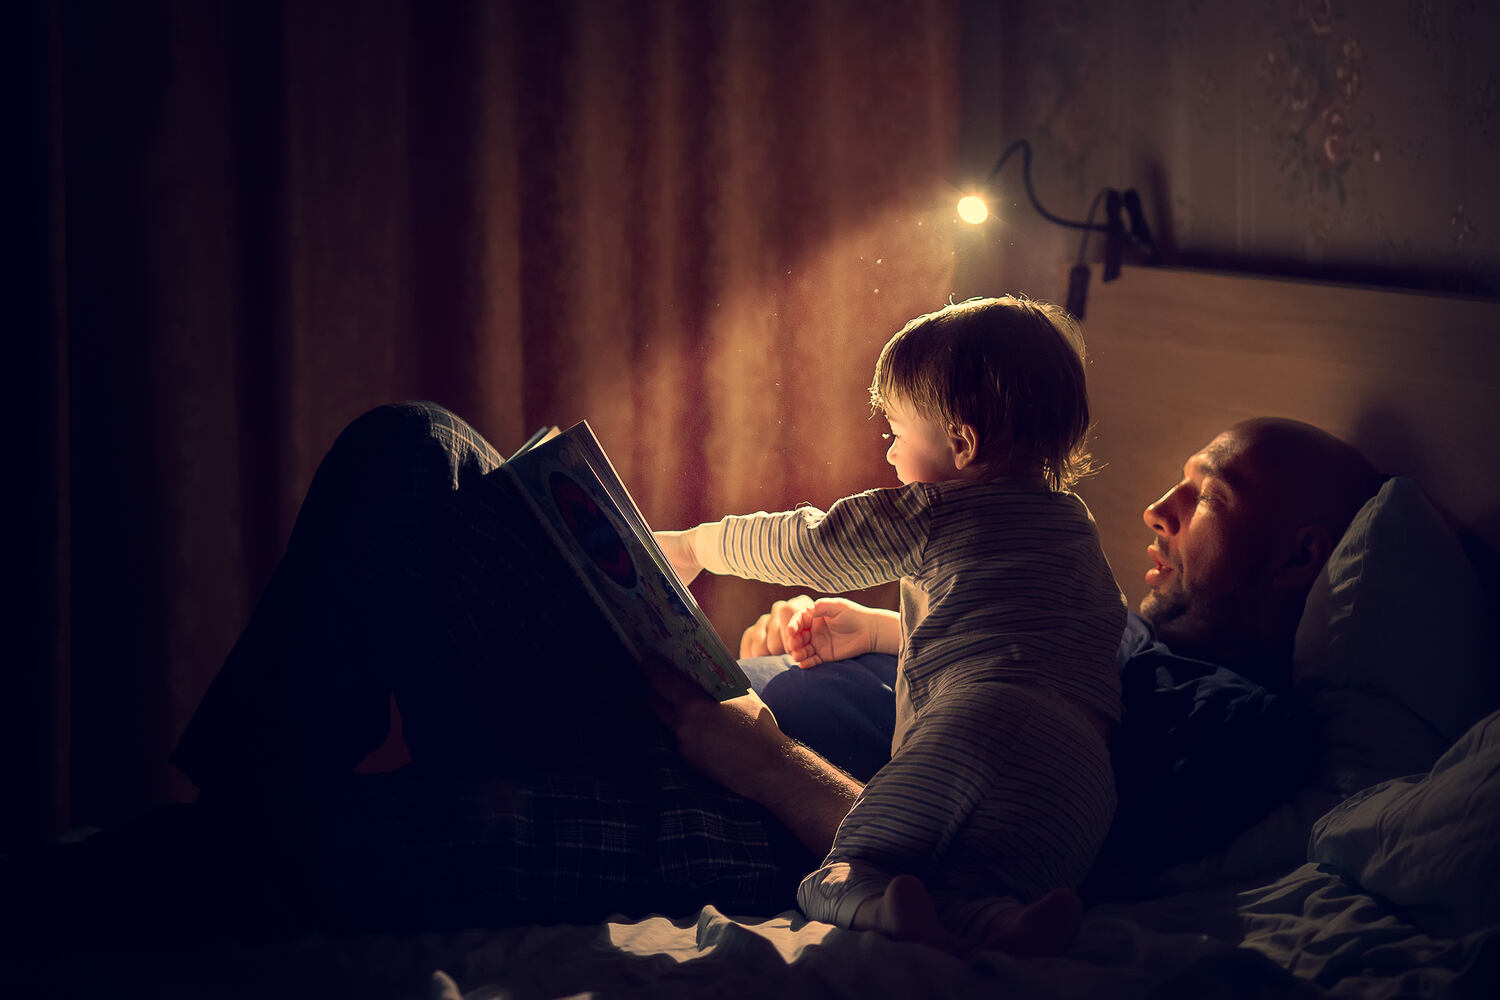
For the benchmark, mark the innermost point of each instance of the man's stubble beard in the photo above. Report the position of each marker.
(1187, 626)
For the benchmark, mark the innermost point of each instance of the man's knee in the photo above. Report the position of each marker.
(394, 428)
(416, 440)
(384, 462)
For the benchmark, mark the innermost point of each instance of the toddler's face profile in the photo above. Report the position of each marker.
(921, 450)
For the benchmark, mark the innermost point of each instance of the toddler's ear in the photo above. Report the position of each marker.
(965, 443)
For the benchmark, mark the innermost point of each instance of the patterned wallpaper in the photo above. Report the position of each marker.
(1322, 138)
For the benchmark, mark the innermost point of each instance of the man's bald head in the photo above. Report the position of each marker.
(1303, 474)
(1240, 540)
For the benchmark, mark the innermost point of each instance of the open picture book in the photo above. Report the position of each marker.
(581, 504)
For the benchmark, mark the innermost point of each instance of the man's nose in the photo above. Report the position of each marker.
(1160, 516)
(889, 452)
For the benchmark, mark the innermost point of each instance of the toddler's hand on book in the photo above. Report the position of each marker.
(681, 553)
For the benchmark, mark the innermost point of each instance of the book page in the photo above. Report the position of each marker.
(575, 487)
(538, 436)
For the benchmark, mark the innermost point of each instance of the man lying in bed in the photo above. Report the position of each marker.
(544, 787)
(1210, 743)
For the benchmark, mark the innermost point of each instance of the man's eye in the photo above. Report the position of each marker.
(887, 436)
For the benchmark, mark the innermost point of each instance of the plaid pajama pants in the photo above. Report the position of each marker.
(542, 788)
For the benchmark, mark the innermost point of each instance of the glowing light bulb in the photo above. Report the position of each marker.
(972, 209)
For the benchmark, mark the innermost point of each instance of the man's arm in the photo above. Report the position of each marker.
(738, 744)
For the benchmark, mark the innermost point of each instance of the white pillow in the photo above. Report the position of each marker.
(1427, 843)
(1395, 651)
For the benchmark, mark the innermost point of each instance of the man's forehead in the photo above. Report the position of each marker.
(1222, 458)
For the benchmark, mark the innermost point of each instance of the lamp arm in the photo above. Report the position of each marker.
(1025, 147)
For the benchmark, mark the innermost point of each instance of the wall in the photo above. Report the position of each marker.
(1339, 140)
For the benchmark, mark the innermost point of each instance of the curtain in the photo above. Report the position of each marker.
(691, 223)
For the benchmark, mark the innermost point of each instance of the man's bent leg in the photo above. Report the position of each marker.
(410, 849)
(541, 787)
(412, 570)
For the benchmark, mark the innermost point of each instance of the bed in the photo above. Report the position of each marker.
(1381, 880)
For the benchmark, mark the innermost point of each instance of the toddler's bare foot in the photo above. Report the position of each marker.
(1047, 927)
(906, 912)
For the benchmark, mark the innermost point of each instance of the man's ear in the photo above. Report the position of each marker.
(964, 441)
(1310, 549)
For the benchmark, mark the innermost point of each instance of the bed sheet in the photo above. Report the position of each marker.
(1335, 937)
(1308, 934)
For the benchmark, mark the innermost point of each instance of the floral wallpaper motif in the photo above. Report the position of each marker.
(1313, 81)
(1354, 139)
(1062, 64)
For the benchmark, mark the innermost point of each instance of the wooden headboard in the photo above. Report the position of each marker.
(1412, 380)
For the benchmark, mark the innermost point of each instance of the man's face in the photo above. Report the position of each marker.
(1211, 555)
(921, 451)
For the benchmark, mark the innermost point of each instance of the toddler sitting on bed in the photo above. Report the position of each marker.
(999, 790)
